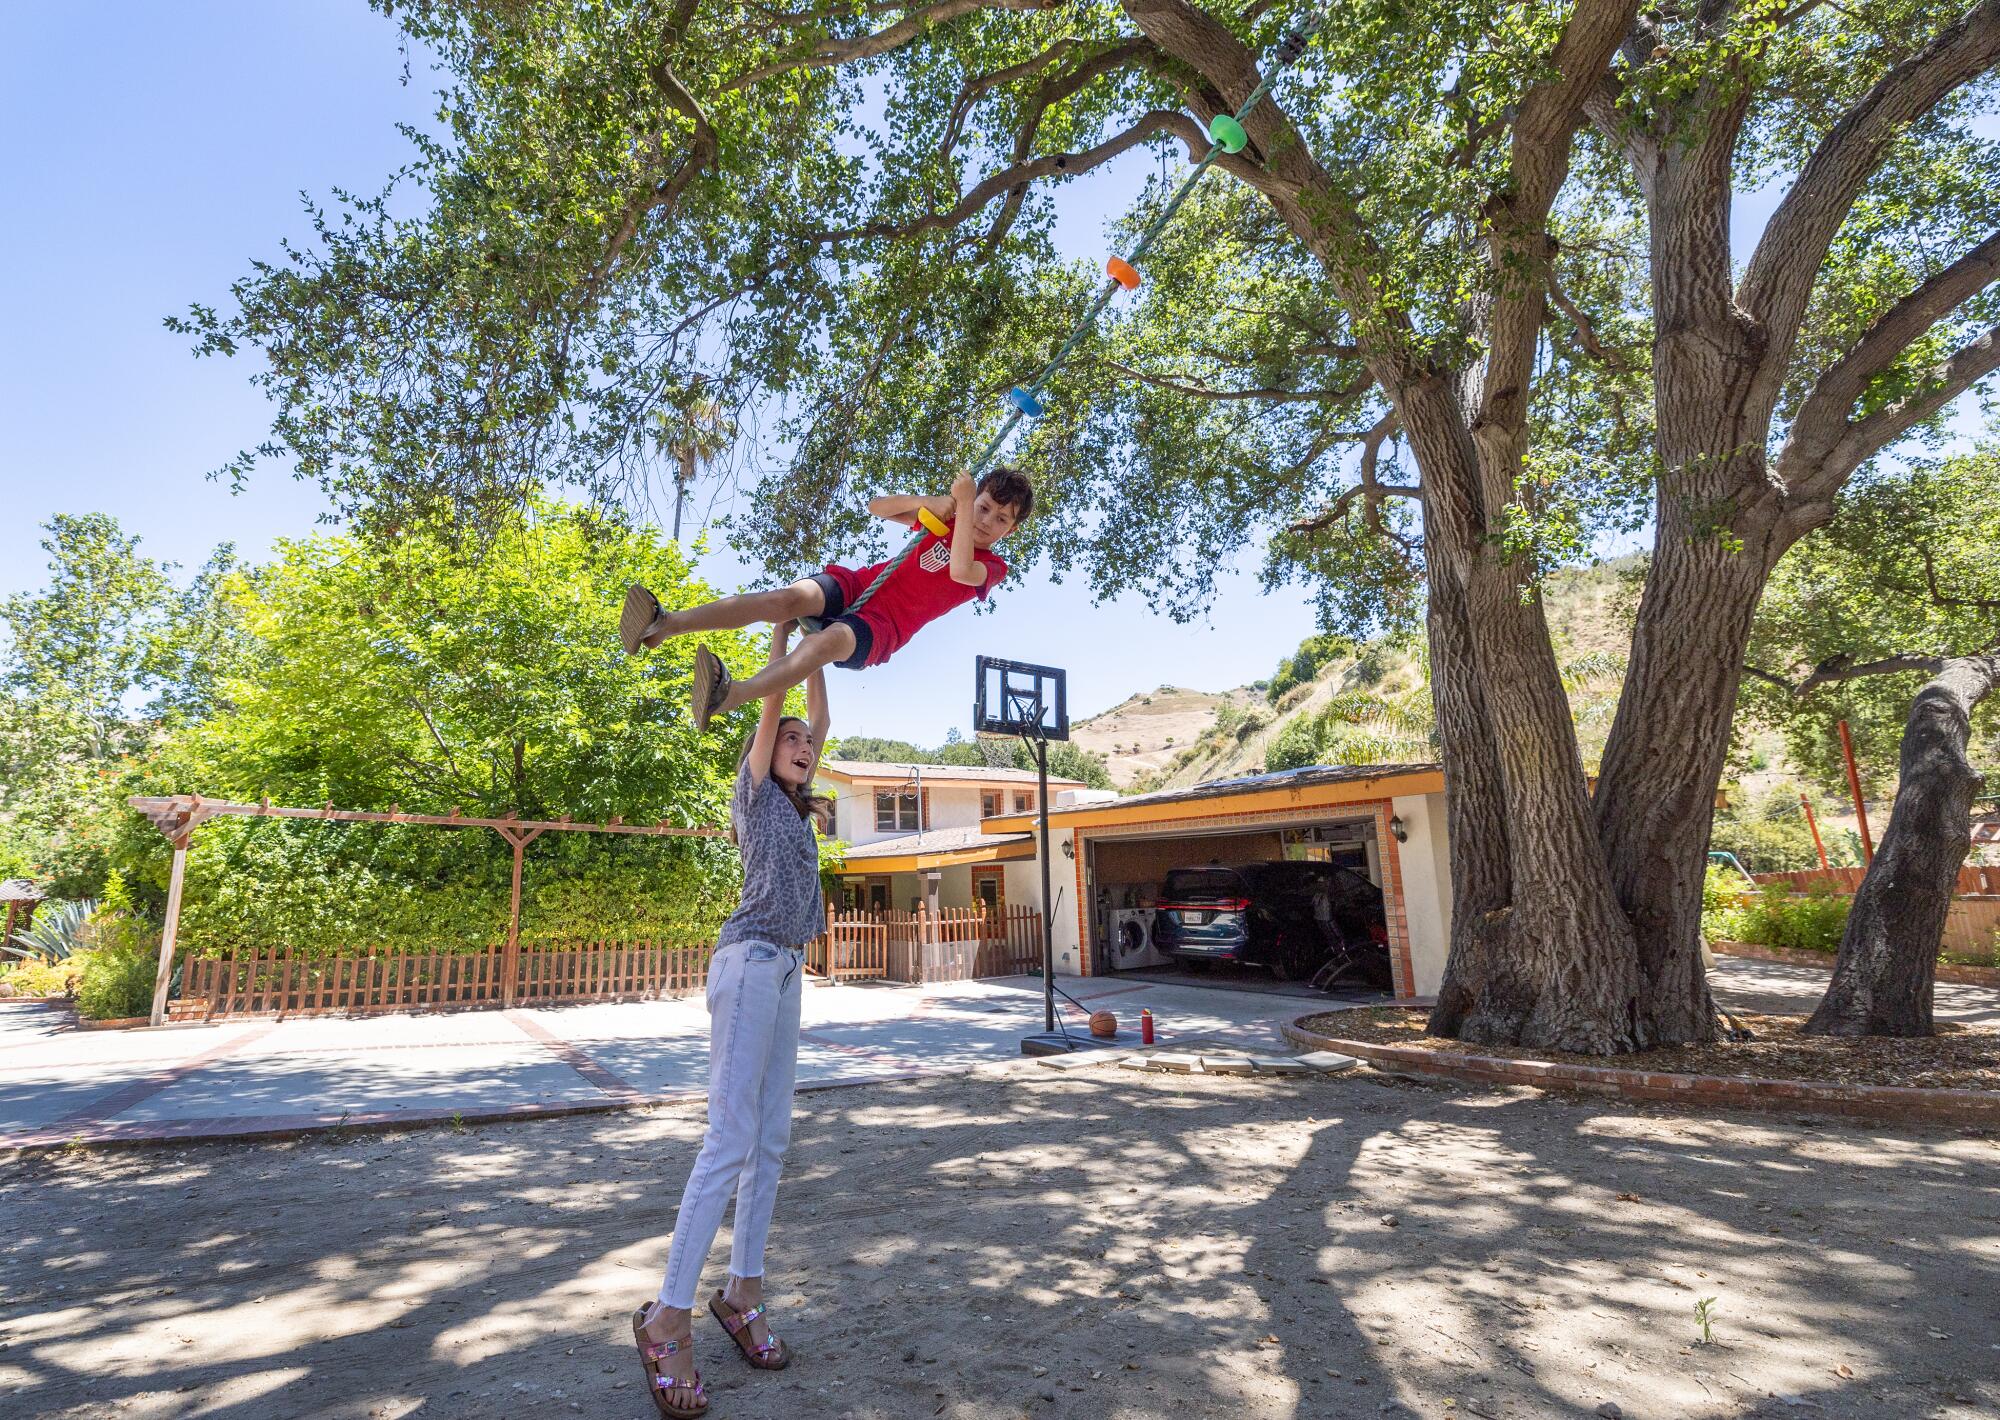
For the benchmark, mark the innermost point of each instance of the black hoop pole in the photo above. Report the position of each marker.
(1048, 908)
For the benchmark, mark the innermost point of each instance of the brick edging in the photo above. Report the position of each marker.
(1954, 972)
(1889, 1104)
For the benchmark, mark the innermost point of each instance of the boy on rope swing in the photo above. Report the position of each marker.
(952, 564)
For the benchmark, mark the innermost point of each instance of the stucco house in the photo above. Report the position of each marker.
(915, 837)
(946, 837)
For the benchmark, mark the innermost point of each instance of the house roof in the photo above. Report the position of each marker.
(19, 890)
(937, 848)
(853, 769)
(1314, 784)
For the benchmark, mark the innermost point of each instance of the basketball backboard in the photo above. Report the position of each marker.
(1015, 698)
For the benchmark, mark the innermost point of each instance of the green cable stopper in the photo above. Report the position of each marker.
(1229, 133)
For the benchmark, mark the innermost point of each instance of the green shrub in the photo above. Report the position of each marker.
(118, 979)
(1774, 918)
(40, 978)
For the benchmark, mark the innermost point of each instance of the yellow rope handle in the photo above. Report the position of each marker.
(932, 522)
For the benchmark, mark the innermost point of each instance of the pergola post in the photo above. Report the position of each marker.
(172, 928)
(510, 964)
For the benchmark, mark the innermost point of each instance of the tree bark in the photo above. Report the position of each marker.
(1883, 978)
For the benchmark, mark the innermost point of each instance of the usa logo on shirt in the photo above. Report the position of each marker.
(936, 557)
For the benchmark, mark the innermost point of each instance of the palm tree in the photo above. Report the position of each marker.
(700, 433)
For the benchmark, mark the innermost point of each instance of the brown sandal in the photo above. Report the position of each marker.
(773, 1355)
(641, 612)
(661, 1387)
(711, 684)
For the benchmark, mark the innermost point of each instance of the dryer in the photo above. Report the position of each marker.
(1131, 939)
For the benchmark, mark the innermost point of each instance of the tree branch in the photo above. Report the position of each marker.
(1202, 390)
(1845, 667)
(827, 51)
(1518, 246)
(1863, 439)
(1019, 174)
(1370, 488)
(1586, 332)
(1778, 283)
(1822, 418)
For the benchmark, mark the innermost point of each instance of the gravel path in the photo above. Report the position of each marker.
(1027, 1243)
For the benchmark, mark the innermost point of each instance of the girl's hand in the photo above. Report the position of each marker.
(964, 490)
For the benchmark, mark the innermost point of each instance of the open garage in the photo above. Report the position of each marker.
(1127, 860)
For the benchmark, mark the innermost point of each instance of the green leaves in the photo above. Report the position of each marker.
(1906, 567)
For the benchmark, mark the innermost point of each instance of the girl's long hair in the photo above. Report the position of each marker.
(817, 807)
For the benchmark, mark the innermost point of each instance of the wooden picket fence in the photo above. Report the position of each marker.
(1972, 882)
(284, 983)
(1971, 926)
(953, 945)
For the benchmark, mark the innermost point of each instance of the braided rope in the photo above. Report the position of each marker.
(1288, 53)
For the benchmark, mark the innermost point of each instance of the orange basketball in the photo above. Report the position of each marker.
(1104, 1024)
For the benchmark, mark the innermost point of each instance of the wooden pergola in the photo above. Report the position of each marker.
(179, 816)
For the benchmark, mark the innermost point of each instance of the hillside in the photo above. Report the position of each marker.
(1364, 703)
(1145, 732)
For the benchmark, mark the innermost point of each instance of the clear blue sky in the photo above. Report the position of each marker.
(156, 149)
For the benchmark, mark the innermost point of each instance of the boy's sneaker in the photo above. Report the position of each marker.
(711, 683)
(642, 610)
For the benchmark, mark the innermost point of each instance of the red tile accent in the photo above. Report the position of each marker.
(572, 1056)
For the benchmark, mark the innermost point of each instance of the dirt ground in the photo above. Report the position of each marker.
(1029, 1243)
(1958, 1057)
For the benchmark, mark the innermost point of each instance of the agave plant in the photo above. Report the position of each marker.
(54, 936)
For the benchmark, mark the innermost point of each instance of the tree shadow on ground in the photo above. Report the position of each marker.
(1030, 1243)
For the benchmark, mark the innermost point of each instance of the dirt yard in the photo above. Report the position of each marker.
(1025, 1243)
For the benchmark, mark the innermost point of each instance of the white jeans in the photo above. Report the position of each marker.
(753, 1057)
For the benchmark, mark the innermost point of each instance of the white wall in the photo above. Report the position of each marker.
(1426, 887)
(952, 806)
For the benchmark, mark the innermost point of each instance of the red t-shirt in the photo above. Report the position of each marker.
(918, 592)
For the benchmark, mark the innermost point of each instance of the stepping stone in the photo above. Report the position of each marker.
(1282, 1065)
(1178, 1064)
(1227, 1064)
(1136, 1062)
(1328, 1061)
(1077, 1061)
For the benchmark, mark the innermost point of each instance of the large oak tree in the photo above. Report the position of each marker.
(1467, 299)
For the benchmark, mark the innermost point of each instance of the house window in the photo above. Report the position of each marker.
(1023, 803)
(895, 809)
(989, 802)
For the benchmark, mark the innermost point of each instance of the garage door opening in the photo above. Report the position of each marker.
(1292, 908)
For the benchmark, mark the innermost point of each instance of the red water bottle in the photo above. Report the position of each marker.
(1145, 1026)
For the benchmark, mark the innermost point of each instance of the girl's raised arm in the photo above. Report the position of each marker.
(765, 741)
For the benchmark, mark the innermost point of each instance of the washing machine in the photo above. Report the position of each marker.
(1131, 939)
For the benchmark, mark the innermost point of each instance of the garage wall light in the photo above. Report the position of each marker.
(1069, 848)
(1397, 829)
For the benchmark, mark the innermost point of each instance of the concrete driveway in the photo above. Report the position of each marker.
(258, 1076)
(253, 1076)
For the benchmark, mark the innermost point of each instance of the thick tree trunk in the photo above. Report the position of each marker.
(1541, 953)
(1717, 539)
(1665, 757)
(1883, 977)
(1481, 997)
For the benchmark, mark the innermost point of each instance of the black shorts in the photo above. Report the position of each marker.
(836, 611)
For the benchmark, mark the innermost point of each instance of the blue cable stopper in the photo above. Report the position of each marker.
(1025, 402)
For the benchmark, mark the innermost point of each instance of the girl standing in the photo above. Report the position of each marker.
(753, 1045)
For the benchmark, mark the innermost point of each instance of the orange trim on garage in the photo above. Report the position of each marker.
(1357, 793)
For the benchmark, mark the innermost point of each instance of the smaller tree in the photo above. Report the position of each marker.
(1903, 583)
